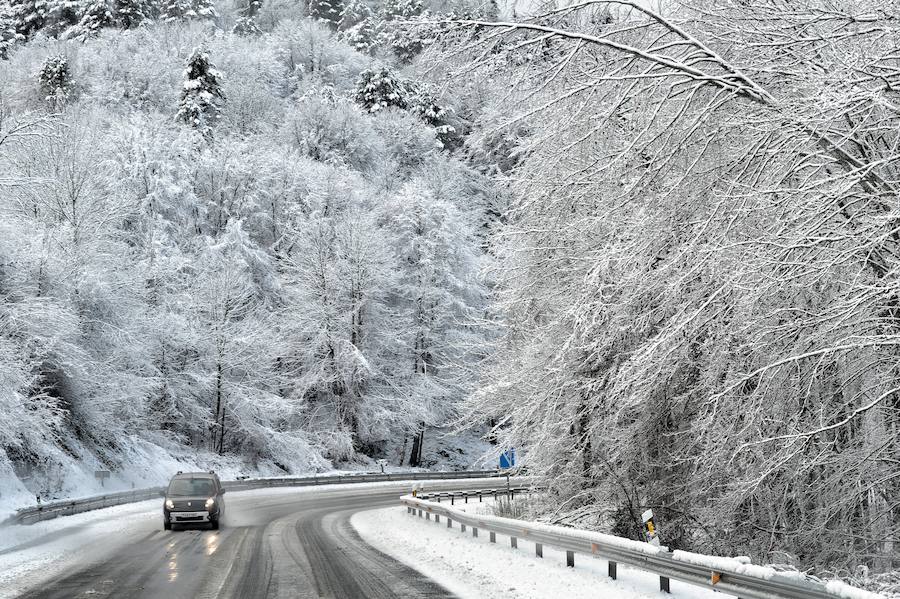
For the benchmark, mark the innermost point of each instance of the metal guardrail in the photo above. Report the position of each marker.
(54, 509)
(726, 575)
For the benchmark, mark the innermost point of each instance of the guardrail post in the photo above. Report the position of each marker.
(420, 513)
(474, 532)
(437, 517)
(479, 496)
(493, 537)
(449, 523)
(462, 527)
(427, 515)
(467, 497)
(570, 559)
(664, 584)
(539, 550)
(452, 496)
(612, 570)
(513, 542)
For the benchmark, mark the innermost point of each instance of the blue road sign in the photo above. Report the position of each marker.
(508, 458)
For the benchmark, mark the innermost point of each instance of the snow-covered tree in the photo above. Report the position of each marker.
(363, 36)
(246, 26)
(55, 80)
(438, 290)
(329, 11)
(201, 95)
(379, 89)
(24, 17)
(97, 15)
(354, 12)
(182, 10)
(131, 13)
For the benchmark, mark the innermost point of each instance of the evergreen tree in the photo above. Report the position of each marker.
(61, 15)
(424, 104)
(401, 9)
(131, 13)
(329, 11)
(249, 8)
(202, 95)
(405, 41)
(25, 17)
(362, 37)
(354, 13)
(379, 89)
(246, 26)
(183, 10)
(97, 15)
(8, 34)
(55, 80)
(204, 9)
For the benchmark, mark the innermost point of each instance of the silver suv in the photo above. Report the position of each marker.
(194, 498)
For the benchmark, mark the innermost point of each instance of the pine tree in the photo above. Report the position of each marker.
(249, 8)
(354, 13)
(362, 37)
(55, 80)
(202, 95)
(97, 15)
(61, 15)
(379, 89)
(25, 17)
(246, 26)
(8, 34)
(424, 104)
(183, 10)
(329, 11)
(401, 9)
(204, 9)
(131, 13)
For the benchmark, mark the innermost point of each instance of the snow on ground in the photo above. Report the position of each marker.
(29, 553)
(475, 568)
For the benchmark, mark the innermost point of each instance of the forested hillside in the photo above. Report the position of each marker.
(229, 230)
(657, 249)
(699, 270)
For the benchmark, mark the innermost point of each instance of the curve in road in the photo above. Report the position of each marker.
(274, 545)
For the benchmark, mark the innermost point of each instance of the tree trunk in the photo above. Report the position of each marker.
(415, 456)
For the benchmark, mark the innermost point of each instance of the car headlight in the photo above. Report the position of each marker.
(210, 503)
(169, 504)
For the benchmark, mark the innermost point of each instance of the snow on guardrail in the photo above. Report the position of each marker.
(734, 576)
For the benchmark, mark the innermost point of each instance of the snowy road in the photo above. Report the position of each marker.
(275, 543)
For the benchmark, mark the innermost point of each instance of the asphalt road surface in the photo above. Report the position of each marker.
(298, 545)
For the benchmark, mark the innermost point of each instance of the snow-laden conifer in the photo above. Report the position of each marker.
(201, 95)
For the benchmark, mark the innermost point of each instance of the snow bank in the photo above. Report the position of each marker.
(475, 568)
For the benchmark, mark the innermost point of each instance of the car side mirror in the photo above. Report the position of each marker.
(221, 491)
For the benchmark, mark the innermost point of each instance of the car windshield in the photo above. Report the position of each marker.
(192, 487)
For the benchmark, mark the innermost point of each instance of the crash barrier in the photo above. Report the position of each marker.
(54, 509)
(728, 575)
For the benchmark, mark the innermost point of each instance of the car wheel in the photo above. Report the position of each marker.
(167, 525)
(215, 524)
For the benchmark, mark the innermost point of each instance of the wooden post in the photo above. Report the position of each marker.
(612, 570)
(513, 542)
(664, 584)
(493, 537)
(539, 550)
(570, 559)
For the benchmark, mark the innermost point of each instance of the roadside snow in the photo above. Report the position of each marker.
(475, 568)
(28, 552)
